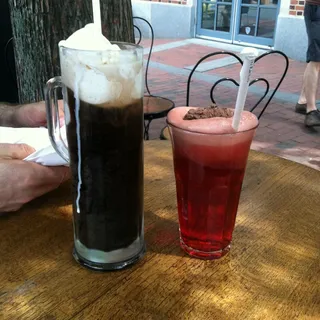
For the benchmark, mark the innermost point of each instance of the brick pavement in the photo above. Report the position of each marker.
(281, 131)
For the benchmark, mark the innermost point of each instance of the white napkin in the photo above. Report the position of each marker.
(37, 138)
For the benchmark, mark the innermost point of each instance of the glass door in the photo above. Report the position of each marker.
(215, 19)
(256, 21)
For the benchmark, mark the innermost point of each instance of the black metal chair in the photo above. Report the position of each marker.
(164, 132)
(154, 107)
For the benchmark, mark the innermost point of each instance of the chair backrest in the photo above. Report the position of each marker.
(265, 81)
(149, 26)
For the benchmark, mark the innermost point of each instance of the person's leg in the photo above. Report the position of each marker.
(301, 106)
(307, 100)
(302, 98)
(310, 86)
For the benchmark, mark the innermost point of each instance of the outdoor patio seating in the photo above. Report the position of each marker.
(164, 135)
(154, 107)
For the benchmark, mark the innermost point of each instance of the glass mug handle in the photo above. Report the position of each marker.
(53, 116)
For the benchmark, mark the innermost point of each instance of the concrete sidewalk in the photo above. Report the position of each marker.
(281, 131)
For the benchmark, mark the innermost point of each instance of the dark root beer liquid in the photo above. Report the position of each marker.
(105, 140)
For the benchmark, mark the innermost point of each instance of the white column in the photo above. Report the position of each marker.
(284, 7)
(191, 2)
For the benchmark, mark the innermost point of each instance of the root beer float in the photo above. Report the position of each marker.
(103, 90)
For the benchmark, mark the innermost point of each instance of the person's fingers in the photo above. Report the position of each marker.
(15, 151)
(24, 181)
(61, 106)
(34, 114)
(46, 179)
(31, 115)
(62, 174)
(39, 180)
(61, 113)
(52, 175)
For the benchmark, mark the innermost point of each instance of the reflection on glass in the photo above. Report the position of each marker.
(250, 1)
(223, 18)
(208, 15)
(267, 22)
(269, 2)
(248, 20)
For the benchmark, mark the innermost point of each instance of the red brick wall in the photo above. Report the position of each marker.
(169, 1)
(296, 7)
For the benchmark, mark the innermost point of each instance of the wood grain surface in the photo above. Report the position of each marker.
(272, 271)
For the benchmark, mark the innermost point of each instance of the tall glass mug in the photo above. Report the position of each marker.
(102, 93)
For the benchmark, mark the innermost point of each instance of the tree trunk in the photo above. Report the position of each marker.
(39, 25)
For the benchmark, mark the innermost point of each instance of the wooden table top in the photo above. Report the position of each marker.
(271, 272)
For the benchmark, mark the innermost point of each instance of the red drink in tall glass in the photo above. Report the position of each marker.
(209, 164)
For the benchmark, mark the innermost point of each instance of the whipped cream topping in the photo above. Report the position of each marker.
(109, 76)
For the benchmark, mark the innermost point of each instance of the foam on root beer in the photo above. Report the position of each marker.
(99, 71)
(212, 120)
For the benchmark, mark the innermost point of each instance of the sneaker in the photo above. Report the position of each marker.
(301, 108)
(312, 118)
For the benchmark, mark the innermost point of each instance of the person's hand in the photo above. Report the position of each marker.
(34, 115)
(22, 181)
(14, 151)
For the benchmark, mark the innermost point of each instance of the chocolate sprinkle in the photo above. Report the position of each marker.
(209, 112)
